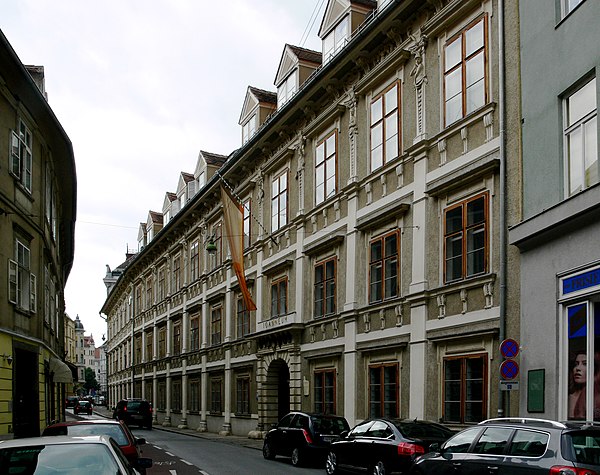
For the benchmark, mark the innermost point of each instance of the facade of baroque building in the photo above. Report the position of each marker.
(37, 225)
(373, 205)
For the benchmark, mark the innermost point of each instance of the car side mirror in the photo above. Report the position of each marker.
(143, 462)
(435, 447)
(344, 434)
(140, 440)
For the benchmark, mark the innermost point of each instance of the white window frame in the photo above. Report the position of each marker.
(249, 129)
(579, 127)
(22, 283)
(326, 168)
(21, 155)
(287, 88)
(336, 39)
(279, 201)
(568, 6)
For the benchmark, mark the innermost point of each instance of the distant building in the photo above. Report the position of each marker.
(37, 224)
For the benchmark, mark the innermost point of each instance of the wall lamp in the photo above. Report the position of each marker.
(7, 358)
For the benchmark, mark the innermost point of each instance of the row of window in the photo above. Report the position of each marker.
(464, 394)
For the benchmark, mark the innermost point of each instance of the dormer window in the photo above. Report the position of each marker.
(249, 129)
(201, 180)
(336, 39)
(287, 89)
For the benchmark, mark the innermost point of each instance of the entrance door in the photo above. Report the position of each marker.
(26, 405)
(283, 392)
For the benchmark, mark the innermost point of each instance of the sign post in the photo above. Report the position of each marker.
(509, 369)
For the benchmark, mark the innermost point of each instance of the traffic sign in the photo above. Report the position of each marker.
(509, 348)
(509, 385)
(509, 369)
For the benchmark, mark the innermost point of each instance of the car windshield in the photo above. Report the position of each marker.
(113, 430)
(84, 403)
(66, 459)
(586, 446)
(329, 425)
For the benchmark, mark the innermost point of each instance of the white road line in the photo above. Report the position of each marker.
(156, 447)
(169, 453)
(204, 473)
(173, 472)
(185, 461)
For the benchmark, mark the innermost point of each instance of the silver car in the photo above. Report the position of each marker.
(91, 455)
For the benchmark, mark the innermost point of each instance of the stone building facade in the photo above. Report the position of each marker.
(372, 238)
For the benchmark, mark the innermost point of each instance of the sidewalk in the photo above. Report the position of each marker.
(225, 439)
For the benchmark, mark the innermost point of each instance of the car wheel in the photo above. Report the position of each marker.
(378, 468)
(297, 457)
(268, 451)
(331, 464)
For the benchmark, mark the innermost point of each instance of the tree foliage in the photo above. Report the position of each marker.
(90, 380)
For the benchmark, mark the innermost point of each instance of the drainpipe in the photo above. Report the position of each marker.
(503, 223)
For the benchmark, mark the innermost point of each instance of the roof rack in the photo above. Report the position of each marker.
(526, 420)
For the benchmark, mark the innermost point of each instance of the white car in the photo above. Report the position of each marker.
(90, 455)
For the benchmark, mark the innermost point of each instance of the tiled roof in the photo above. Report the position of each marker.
(213, 158)
(264, 96)
(156, 217)
(307, 54)
(187, 177)
(172, 196)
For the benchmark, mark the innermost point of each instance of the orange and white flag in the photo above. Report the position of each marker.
(233, 213)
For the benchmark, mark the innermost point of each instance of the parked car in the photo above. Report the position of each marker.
(118, 430)
(71, 401)
(66, 455)
(303, 436)
(134, 411)
(379, 446)
(517, 446)
(84, 407)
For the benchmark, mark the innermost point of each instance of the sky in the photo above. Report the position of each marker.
(140, 87)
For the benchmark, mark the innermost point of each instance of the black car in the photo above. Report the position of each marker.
(71, 401)
(380, 446)
(134, 411)
(83, 407)
(517, 446)
(304, 437)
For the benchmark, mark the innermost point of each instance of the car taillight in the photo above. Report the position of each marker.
(307, 436)
(563, 470)
(408, 448)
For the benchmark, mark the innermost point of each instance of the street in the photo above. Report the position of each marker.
(174, 453)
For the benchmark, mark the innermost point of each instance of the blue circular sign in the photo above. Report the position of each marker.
(509, 369)
(509, 348)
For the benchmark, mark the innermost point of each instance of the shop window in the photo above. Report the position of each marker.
(583, 337)
(194, 398)
(216, 394)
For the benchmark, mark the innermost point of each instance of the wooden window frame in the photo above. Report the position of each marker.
(162, 342)
(276, 308)
(242, 391)
(464, 233)
(320, 403)
(216, 336)
(382, 263)
(463, 64)
(382, 122)
(176, 393)
(242, 317)
(247, 223)
(176, 338)
(149, 346)
(463, 382)
(195, 389)
(176, 273)
(322, 164)
(321, 287)
(195, 261)
(382, 368)
(195, 333)
(216, 405)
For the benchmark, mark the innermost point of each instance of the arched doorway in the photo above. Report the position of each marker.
(277, 391)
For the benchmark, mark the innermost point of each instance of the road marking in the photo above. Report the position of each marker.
(169, 453)
(185, 461)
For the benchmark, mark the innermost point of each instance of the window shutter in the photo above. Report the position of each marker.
(12, 281)
(15, 156)
(33, 292)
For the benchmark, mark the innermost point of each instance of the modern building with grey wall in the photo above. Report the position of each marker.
(558, 235)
